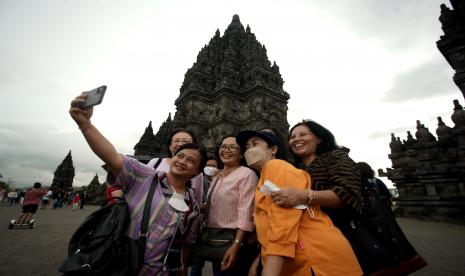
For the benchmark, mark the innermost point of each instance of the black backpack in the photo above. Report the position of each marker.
(100, 245)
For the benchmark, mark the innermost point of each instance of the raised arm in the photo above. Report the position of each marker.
(97, 142)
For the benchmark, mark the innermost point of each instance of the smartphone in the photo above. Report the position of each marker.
(94, 97)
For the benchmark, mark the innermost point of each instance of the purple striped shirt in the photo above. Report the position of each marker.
(135, 179)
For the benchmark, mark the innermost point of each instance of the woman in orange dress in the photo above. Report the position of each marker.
(294, 241)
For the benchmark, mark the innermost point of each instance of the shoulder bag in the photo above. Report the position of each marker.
(213, 243)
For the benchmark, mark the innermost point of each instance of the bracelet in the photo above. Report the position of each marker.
(86, 129)
(238, 242)
(311, 197)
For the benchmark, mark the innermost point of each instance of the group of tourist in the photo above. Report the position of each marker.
(57, 199)
(35, 196)
(282, 217)
(13, 196)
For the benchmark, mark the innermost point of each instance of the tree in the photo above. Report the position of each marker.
(4, 185)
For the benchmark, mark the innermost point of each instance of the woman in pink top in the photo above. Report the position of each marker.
(231, 207)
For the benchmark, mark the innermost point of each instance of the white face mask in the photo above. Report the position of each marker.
(177, 202)
(254, 156)
(210, 171)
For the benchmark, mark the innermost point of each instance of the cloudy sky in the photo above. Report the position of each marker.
(364, 69)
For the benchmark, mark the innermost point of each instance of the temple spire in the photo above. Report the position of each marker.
(232, 85)
(145, 144)
(64, 174)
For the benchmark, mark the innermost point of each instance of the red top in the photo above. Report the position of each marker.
(76, 198)
(34, 196)
(109, 197)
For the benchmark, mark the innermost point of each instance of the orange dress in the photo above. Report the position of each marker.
(308, 241)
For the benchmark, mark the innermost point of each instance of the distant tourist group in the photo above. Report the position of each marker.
(247, 209)
(66, 198)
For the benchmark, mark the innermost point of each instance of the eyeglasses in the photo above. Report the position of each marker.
(231, 148)
(182, 142)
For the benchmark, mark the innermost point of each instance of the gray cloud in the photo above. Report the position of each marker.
(424, 81)
(387, 134)
(30, 153)
(402, 24)
(401, 131)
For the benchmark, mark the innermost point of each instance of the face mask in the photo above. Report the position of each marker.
(254, 156)
(210, 171)
(177, 202)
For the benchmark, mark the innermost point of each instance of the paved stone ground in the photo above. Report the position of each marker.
(40, 251)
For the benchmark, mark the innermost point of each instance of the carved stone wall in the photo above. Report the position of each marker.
(231, 87)
(429, 172)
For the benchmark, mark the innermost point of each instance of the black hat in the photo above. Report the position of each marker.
(245, 135)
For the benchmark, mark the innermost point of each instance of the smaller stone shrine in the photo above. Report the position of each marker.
(148, 146)
(94, 191)
(429, 172)
(64, 174)
(452, 43)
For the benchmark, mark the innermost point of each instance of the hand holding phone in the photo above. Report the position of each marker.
(94, 97)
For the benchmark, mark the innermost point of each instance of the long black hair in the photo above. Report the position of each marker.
(366, 170)
(327, 140)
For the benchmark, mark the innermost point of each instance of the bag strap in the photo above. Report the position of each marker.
(157, 163)
(209, 198)
(148, 204)
(147, 207)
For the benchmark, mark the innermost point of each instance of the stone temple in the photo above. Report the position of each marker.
(232, 86)
(64, 174)
(429, 172)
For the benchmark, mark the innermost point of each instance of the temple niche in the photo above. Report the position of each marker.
(429, 172)
(64, 174)
(232, 86)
